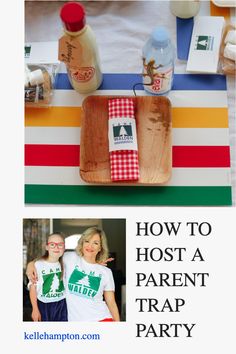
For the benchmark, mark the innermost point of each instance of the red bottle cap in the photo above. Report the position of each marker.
(73, 16)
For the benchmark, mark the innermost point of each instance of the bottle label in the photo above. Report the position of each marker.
(70, 50)
(122, 134)
(83, 74)
(157, 80)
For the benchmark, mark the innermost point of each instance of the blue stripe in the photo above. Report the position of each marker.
(184, 28)
(126, 82)
(199, 82)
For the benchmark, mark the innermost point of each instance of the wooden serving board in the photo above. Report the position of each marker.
(153, 122)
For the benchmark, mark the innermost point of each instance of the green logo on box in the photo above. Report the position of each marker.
(27, 51)
(122, 131)
(204, 43)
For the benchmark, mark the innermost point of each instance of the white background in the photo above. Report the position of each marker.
(211, 308)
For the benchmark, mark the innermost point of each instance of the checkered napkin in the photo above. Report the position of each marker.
(124, 163)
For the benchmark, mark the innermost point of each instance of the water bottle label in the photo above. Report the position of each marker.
(122, 134)
(159, 82)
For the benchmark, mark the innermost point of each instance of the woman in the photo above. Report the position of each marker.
(89, 284)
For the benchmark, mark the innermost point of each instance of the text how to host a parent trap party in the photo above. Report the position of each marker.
(177, 271)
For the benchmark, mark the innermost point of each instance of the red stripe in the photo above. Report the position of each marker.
(201, 156)
(183, 156)
(52, 155)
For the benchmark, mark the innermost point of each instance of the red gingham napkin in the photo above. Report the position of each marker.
(124, 163)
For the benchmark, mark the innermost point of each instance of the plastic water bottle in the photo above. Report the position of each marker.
(158, 62)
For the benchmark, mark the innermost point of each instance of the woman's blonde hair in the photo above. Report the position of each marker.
(87, 235)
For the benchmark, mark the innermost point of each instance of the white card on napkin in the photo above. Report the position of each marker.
(205, 44)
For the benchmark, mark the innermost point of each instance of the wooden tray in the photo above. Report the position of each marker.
(153, 122)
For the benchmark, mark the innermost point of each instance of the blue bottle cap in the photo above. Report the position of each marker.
(160, 37)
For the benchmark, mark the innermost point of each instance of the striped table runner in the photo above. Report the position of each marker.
(201, 156)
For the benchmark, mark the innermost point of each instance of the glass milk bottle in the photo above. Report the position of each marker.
(78, 49)
(185, 8)
(158, 62)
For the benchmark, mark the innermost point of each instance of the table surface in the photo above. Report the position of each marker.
(124, 25)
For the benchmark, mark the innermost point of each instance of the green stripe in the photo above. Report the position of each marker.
(109, 195)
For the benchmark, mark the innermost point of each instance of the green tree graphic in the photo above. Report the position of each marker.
(89, 281)
(52, 282)
(55, 283)
(85, 281)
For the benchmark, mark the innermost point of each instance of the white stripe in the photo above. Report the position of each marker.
(200, 136)
(180, 176)
(198, 98)
(181, 136)
(181, 98)
(52, 175)
(200, 177)
(52, 135)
